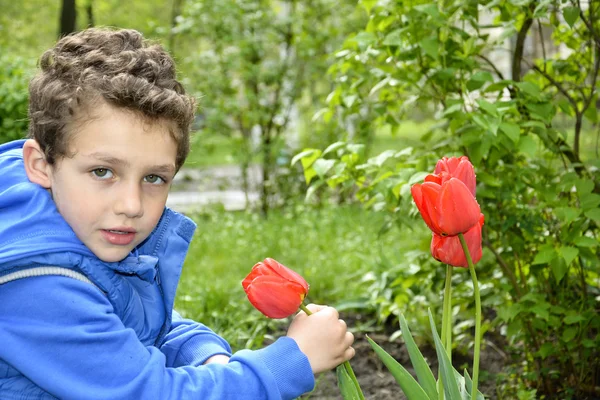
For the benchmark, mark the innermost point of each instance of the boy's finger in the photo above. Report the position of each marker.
(313, 308)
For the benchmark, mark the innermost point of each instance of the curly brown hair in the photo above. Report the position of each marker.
(119, 67)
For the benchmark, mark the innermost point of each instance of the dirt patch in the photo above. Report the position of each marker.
(378, 384)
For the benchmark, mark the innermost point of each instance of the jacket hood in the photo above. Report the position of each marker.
(30, 224)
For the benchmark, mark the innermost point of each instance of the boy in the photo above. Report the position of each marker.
(90, 257)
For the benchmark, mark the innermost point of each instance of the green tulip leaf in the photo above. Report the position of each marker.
(421, 367)
(409, 385)
(448, 378)
(346, 384)
(469, 386)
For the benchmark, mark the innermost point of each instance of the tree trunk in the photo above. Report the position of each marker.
(89, 10)
(68, 17)
(266, 175)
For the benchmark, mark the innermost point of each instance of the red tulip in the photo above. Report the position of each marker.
(449, 250)
(448, 208)
(275, 290)
(459, 168)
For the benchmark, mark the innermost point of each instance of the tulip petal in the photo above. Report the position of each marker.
(426, 197)
(285, 272)
(449, 250)
(460, 168)
(433, 178)
(458, 210)
(259, 269)
(466, 174)
(275, 298)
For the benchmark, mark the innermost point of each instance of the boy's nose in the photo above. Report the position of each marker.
(129, 201)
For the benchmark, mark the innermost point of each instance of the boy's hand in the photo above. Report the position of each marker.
(322, 337)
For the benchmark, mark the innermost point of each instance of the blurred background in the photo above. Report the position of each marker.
(315, 118)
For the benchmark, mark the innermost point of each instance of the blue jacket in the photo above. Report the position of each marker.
(117, 338)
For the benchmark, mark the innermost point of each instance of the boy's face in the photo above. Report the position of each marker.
(112, 192)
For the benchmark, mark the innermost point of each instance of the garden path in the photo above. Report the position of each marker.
(194, 187)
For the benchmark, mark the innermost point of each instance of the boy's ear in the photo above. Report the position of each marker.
(37, 168)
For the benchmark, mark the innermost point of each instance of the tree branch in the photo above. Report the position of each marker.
(520, 44)
(491, 64)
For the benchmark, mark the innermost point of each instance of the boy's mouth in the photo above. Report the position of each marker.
(119, 237)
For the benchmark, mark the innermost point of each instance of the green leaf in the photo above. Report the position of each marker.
(430, 46)
(542, 110)
(584, 241)
(567, 214)
(479, 79)
(487, 107)
(571, 14)
(333, 147)
(322, 166)
(589, 201)
(530, 88)
(421, 367)
(394, 38)
(569, 253)
(346, 384)
(559, 268)
(348, 101)
(448, 379)
(569, 334)
(364, 39)
(511, 130)
(368, 4)
(591, 114)
(539, 312)
(547, 349)
(593, 214)
(409, 385)
(584, 186)
(469, 386)
(431, 9)
(573, 319)
(544, 255)
(527, 145)
(309, 173)
(305, 154)
(312, 189)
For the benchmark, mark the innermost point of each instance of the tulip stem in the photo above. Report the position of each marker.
(306, 310)
(346, 364)
(447, 313)
(477, 346)
(446, 324)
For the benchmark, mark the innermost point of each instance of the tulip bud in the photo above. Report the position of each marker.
(275, 290)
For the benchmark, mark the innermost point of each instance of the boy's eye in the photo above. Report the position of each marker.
(154, 179)
(102, 173)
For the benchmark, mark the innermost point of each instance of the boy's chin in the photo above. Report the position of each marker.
(112, 256)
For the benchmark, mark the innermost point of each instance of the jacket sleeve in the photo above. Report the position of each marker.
(63, 336)
(191, 343)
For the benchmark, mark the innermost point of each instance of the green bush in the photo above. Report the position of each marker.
(15, 73)
(537, 177)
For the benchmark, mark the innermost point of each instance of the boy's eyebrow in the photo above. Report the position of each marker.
(166, 168)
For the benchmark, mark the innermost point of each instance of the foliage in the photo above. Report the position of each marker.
(250, 67)
(334, 249)
(14, 78)
(538, 186)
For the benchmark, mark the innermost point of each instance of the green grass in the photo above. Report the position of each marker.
(332, 248)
